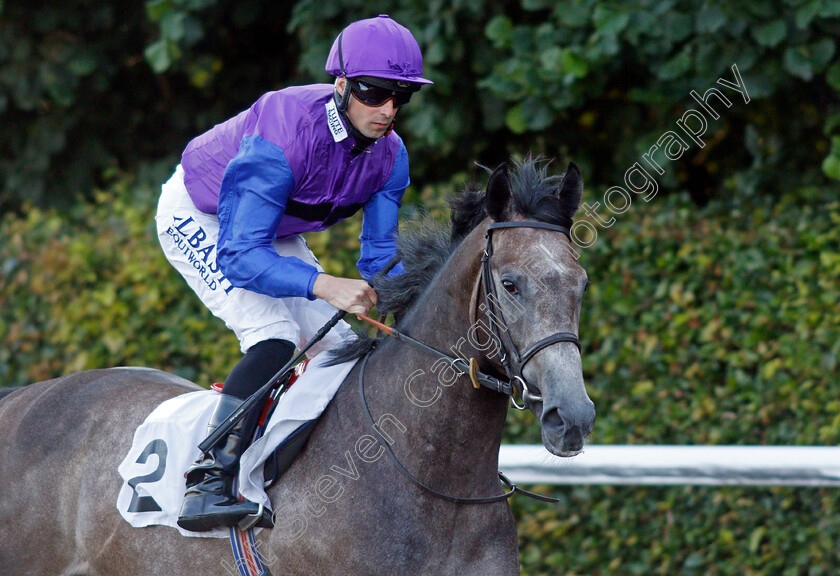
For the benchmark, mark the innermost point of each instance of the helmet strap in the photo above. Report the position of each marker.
(361, 141)
(342, 100)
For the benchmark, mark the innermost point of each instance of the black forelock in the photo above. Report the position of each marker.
(534, 193)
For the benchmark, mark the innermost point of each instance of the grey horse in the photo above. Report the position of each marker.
(341, 508)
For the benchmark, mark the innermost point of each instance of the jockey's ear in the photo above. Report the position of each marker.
(497, 199)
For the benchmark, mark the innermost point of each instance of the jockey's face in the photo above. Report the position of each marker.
(372, 121)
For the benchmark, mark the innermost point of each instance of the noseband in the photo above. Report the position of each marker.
(511, 359)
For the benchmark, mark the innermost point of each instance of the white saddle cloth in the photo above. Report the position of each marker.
(165, 445)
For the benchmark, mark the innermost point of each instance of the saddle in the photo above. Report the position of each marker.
(286, 452)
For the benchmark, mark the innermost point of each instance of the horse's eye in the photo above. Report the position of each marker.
(510, 287)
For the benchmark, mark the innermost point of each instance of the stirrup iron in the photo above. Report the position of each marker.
(251, 520)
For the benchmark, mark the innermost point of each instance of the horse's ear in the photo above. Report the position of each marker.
(570, 190)
(498, 193)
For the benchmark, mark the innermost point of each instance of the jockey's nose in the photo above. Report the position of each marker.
(389, 108)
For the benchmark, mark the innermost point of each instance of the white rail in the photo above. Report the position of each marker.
(676, 465)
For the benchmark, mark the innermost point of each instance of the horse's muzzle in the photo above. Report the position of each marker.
(563, 431)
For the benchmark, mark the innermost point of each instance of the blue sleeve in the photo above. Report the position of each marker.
(255, 189)
(381, 225)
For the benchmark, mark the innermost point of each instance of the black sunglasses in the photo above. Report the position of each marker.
(376, 96)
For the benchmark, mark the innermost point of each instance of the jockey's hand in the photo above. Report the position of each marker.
(353, 296)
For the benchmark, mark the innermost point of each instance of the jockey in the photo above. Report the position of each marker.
(230, 218)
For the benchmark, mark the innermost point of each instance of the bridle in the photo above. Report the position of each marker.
(513, 364)
(512, 361)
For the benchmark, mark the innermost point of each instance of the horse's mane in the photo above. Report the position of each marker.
(427, 245)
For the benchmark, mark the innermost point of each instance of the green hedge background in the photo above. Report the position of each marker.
(712, 317)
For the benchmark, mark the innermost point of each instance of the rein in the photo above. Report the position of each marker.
(460, 364)
(513, 366)
(454, 499)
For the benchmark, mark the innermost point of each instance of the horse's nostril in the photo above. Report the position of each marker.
(553, 419)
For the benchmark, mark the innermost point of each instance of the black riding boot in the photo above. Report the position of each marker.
(210, 501)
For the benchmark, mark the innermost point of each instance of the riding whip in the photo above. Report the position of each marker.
(223, 429)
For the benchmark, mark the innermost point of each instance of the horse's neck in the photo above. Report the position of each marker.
(452, 443)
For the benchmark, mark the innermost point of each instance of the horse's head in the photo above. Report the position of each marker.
(539, 286)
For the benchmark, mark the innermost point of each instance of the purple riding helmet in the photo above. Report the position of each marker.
(377, 53)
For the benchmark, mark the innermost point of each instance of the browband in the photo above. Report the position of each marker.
(531, 224)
